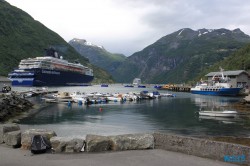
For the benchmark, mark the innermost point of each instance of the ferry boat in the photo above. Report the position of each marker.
(50, 70)
(220, 86)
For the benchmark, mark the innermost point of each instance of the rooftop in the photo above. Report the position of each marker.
(227, 73)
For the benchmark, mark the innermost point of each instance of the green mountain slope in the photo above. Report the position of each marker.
(240, 60)
(97, 55)
(21, 37)
(181, 56)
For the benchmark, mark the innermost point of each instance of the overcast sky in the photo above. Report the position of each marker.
(128, 26)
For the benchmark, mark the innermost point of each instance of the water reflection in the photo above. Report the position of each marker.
(224, 120)
(217, 108)
(211, 101)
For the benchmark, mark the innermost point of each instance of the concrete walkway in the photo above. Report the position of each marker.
(156, 157)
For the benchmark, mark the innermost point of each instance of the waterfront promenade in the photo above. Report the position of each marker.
(156, 157)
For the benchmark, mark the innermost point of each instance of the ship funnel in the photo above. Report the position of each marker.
(51, 52)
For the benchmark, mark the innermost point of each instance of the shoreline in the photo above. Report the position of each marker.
(32, 111)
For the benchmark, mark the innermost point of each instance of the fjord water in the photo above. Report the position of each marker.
(175, 115)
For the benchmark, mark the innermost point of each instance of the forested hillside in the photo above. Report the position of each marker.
(21, 37)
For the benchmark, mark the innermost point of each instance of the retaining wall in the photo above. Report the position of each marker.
(202, 147)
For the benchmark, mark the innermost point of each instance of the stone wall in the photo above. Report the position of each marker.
(11, 135)
(200, 147)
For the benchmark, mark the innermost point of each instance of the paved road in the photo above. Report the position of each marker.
(156, 157)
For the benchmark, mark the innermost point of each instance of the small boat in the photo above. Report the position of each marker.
(226, 113)
(146, 95)
(114, 99)
(104, 85)
(131, 96)
(63, 97)
(50, 100)
(168, 95)
(128, 86)
(154, 94)
(157, 86)
(78, 97)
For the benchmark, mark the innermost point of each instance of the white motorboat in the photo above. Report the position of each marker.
(168, 95)
(63, 97)
(226, 113)
(115, 99)
(78, 96)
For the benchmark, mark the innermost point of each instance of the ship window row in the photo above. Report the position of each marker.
(53, 64)
(208, 89)
(22, 76)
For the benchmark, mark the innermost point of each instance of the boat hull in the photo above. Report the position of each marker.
(220, 92)
(41, 77)
(218, 114)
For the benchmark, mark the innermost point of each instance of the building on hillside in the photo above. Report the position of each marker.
(4, 81)
(238, 78)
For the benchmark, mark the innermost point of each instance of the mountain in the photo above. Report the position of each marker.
(97, 55)
(180, 56)
(22, 37)
(239, 60)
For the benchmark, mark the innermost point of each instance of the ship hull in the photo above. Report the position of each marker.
(220, 92)
(42, 77)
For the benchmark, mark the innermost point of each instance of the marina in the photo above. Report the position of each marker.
(176, 115)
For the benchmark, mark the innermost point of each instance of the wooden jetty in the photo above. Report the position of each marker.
(176, 88)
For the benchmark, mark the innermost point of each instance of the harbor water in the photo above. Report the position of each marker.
(173, 115)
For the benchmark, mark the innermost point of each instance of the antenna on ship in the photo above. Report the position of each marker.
(222, 74)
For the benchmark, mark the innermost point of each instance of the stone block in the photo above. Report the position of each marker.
(132, 142)
(27, 135)
(96, 143)
(13, 138)
(5, 128)
(67, 145)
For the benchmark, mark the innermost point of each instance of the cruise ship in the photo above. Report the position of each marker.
(50, 70)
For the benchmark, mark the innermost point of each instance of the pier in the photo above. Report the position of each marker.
(176, 88)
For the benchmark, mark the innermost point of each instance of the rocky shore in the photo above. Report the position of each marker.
(12, 106)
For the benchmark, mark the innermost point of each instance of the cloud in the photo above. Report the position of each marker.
(127, 26)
